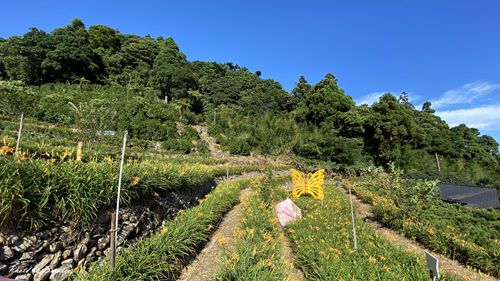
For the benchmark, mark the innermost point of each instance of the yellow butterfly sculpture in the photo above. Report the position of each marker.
(311, 184)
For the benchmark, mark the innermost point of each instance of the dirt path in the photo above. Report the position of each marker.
(447, 265)
(204, 267)
(294, 274)
(213, 146)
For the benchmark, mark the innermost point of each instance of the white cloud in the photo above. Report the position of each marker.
(370, 98)
(374, 97)
(485, 117)
(465, 94)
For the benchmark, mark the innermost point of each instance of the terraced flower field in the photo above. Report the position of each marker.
(468, 235)
(324, 249)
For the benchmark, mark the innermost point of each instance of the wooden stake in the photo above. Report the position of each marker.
(19, 133)
(227, 175)
(353, 223)
(112, 240)
(498, 193)
(79, 151)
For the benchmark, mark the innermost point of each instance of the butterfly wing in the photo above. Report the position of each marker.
(315, 184)
(298, 183)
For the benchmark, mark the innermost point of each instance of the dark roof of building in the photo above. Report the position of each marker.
(472, 196)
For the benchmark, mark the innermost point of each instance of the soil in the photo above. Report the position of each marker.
(294, 274)
(204, 267)
(447, 265)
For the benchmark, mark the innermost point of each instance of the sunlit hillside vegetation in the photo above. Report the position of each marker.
(97, 79)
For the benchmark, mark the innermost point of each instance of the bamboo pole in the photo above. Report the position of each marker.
(437, 161)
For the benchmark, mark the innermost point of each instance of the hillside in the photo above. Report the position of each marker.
(99, 79)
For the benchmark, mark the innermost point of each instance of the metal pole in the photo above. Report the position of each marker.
(437, 161)
(353, 223)
(119, 186)
(19, 133)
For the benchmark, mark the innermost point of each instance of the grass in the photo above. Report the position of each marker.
(163, 255)
(256, 255)
(323, 244)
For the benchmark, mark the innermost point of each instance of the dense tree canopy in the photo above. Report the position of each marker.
(146, 84)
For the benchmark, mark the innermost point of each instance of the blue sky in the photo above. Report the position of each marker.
(445, 51)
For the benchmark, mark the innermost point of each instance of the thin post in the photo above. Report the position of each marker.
(353, 223)
(19, 133)
(79, 151)
(112, 244)
(120, 184)
(437, 161)
(214, 116)
(227, 174)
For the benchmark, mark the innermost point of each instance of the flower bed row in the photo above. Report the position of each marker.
(256, 255)
(34, 192)
(163, 255)
(323, 244)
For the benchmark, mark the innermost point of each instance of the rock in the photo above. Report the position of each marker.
(85, 241)
(32, 238)
(68, 239)
(21, 267)
(26, 277)
(67, 254)
(125, 232)
(3, 239)
(124, 216)
(6, 253)
(42, 275)
(3, 269)
(58, 257)
(102, 243)
(80, 252)
(12, 239)
(70, 263)
(54, 247)
(42, 247)
(25, 244)
(66, 229)
(43, 263)
(60, 274)
(26, 256)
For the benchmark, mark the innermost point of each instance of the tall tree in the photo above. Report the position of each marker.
(171, 73)
(325, 100)
(22, 56)
(72, 55)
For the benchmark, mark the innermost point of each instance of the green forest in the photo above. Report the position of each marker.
(98, 79)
